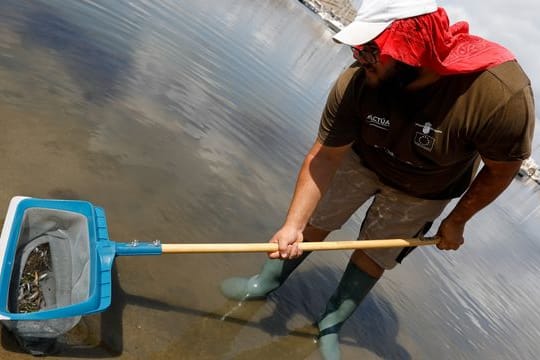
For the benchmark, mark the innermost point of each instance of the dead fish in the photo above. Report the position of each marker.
(43, 276)
(34, 296)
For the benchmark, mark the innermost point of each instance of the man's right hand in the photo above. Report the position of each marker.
(287, 239)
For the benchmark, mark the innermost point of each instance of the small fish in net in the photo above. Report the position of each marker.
(37, 268)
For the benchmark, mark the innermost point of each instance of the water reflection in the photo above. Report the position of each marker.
(97, 70)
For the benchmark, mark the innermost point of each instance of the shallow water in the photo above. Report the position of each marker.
(187, 122)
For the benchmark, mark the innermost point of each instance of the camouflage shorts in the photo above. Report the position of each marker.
(392, 214)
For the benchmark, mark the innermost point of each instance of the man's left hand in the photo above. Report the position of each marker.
(450, 234)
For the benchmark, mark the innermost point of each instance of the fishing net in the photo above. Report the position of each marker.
(51, 269)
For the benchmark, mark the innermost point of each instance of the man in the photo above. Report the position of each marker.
(407, 125)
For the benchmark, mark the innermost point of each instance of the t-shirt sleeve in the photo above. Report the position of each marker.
(508, 134)
(339, 126)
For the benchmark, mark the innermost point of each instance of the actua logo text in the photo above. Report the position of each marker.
(378, 122)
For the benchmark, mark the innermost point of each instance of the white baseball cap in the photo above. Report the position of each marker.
(376, 15)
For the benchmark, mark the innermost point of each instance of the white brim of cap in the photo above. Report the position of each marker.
(358, 33)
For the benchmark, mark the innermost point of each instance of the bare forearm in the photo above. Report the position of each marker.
(313, 180)
(488, 184)
(314, 177)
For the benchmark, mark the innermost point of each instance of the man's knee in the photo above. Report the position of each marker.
(365, 263)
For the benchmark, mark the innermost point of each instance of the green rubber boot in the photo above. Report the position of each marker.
(353, 287)
(272, 275)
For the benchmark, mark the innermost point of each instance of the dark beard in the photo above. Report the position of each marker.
(403, 75)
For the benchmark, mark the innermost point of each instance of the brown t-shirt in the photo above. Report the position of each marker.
(427, 142)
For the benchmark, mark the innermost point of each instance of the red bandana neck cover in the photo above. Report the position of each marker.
(429, 41)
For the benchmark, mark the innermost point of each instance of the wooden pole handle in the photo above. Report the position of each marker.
(305, 246)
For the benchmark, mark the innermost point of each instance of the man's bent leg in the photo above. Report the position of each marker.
(353, 287)
(273, 273)
(358, 279)
(392, 214)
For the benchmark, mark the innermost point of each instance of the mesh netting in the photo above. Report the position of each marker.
(51, 270)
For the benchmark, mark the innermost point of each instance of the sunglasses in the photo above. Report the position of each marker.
(367, 53)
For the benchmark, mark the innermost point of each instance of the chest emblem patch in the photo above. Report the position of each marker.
(425, 139)
(426, 142)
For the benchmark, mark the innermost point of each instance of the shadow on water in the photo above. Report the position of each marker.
(373, 327)
(95, 66)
